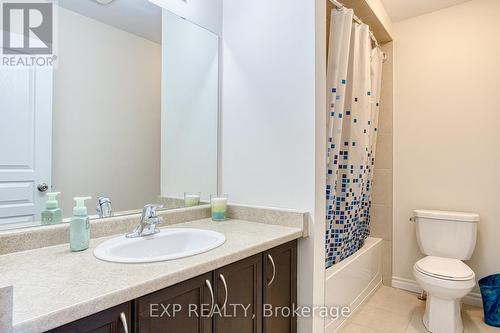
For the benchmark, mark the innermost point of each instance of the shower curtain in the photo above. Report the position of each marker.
(354, 76)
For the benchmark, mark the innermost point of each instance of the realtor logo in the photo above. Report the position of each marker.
(28, 28)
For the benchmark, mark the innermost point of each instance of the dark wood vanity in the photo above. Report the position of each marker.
(266, 278)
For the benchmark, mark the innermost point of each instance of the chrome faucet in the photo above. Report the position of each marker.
(104, 208)
(149, 222)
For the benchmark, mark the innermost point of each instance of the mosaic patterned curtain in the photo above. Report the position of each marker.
(354, 77)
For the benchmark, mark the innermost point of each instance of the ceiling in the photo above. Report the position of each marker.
(399, 10)
(139, 17)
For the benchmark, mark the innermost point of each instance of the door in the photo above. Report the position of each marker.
(184, 307)
(25, 143)
(280, 287)
(239, 297)
(114, 320)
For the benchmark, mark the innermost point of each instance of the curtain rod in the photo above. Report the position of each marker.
(340, 5)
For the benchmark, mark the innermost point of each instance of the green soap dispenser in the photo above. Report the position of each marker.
(79, 227)
(52, 213)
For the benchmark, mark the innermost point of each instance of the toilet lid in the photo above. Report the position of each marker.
(444, 268)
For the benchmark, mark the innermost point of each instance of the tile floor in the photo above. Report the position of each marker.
(391, 310)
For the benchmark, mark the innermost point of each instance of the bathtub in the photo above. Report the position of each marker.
(351, 281)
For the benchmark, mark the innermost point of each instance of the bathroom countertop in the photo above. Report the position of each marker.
(53, 286)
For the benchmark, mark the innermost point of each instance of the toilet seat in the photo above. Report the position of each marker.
(444, 268)
(446, 282)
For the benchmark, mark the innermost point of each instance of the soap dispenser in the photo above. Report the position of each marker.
(52, 213)
(79, 228)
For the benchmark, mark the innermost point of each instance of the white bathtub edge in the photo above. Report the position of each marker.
(369, 244)
(352, 281)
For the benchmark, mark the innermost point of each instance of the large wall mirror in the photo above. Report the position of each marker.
(130, 113)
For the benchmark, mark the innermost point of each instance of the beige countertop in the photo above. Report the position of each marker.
(53, 286)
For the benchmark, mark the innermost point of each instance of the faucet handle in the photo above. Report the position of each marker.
(149, 222)
(149, 211)
(154, 221)
(104, 207)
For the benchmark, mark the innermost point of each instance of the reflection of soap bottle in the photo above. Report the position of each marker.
(52, 213)
(79, 228)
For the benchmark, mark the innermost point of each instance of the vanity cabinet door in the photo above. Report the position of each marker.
(114, 320)
(280, 287)
(183, 307)
(239, 287)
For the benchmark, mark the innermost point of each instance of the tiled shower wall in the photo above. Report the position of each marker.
(382, 198)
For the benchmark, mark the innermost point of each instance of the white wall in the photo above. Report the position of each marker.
(268, 101)
(269, 120)
(106, 120)
(205, 13)
(189, 108)
(447, 79)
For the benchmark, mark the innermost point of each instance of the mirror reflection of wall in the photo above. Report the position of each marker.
(129, 113)
(189, 109)
(106, 120)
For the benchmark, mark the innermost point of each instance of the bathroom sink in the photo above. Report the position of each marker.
(169, 244)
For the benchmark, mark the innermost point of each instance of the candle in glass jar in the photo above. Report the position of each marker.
(191, 199)
(219, 207)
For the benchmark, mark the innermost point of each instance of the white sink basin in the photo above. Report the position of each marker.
(169, 244)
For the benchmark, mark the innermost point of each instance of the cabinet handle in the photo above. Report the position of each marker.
(221, 277)
(123, 319)
(274, 270)
(212, 307)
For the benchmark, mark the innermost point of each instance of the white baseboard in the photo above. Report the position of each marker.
(411, 285)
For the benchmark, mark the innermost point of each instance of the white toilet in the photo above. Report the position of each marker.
(446, 238)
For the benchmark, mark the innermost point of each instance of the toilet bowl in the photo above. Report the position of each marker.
(446, 238)
(446, 282)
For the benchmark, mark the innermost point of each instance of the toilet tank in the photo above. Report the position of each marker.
(446, 234)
